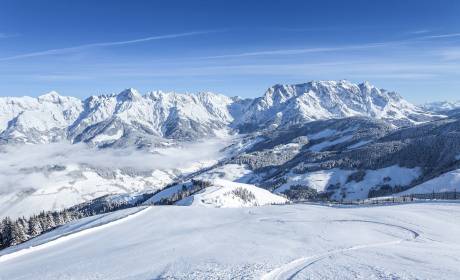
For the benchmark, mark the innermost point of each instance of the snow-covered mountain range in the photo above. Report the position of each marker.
(331, 138)
(129, 118)
(316, 100)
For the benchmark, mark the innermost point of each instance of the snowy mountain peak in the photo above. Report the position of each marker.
(129, 94)
(366, 85)
(291, 104)
(134, 118)
(52, 96)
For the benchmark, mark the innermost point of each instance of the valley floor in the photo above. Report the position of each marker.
(412, 241)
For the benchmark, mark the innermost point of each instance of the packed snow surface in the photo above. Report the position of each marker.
(224, 193)
(412, 241)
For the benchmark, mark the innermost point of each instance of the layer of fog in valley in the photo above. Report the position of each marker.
(52, 176)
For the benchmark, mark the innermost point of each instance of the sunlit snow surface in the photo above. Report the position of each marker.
(221, 193)
(416, 241)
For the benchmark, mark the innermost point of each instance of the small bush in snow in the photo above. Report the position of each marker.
(244, 194)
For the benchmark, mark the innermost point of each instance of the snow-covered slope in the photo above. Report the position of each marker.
(447, 182)
(224, 194)
(351, 158)
(416, 241)
(339, 181)
(290, 104)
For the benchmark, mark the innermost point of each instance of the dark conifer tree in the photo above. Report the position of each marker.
(17, 234)
(35, 227)
(7, 233)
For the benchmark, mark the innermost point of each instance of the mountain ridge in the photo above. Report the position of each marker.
(130, 117)
(292, 104)
(347, 146)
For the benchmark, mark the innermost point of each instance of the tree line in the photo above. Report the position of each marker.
(16, 231)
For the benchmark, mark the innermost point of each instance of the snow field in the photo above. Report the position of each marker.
(416, 241)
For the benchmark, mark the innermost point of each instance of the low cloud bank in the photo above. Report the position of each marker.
(23, 167)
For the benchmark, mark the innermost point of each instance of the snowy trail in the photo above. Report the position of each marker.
(291, 270)
(417, 241)
(66, 237)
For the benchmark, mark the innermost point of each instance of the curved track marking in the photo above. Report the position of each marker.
(413, 232)
(290, 270)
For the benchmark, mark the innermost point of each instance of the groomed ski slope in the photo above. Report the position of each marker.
(412, 241)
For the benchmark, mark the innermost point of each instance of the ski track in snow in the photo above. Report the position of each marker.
(292, 269)
(414, 241)
(66, 237)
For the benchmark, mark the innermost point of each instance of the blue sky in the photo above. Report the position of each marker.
(234, 47)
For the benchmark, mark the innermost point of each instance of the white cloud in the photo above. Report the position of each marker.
(23, 167)
(421, 31)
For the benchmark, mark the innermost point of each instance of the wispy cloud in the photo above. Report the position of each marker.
(104, 44)
(363, 46)
(421, 31)
(300, 51)
(448, 35)
(5, 35)
(370, 67)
